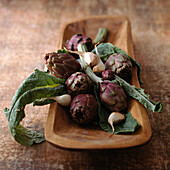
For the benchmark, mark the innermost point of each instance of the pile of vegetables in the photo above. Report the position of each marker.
(90, 78)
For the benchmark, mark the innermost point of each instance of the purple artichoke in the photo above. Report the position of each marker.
(78, 83)
(113, 96)
(77, 39)
(108, 75)
(120, 65)
(61, 64)
(83, 108)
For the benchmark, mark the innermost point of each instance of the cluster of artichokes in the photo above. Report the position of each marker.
(84, 107)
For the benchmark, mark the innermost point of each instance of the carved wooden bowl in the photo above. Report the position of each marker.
(64, 132)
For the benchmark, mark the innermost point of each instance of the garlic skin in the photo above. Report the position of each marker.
(100, 67)
(63, 100)
(114, 118)
(94, 60)
(90, 58)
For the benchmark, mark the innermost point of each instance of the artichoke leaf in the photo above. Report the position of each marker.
(140, 95)
(38, 85)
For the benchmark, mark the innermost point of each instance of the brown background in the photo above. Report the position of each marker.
(29, 29)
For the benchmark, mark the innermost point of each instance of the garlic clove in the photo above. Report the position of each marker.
(99, 67)
(63, 100)
(90, 58)
(114, 118)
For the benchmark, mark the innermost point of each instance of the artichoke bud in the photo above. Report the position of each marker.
(61, 64)
(113, 96)
(78, 83)
(77, 39)
(108, 75)
(120, 65)
(83, 108)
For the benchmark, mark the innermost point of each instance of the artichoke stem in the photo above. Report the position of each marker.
(86, 67)
(101, 35)
(82, 48)
(89, 71)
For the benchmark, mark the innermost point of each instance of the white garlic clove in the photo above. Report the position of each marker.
(115, 117)
(90, 58)
(63, 100)
(100, 67)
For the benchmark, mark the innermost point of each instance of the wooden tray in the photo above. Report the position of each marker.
(61, 130)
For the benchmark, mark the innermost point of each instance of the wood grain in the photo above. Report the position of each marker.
(63, 132)
(30, 29)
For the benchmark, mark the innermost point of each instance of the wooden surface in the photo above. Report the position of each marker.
(62, 131)
(29, 29)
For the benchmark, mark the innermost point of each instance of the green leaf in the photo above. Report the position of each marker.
(63, 51)
(41, 102)
(107, 49)
(27, 137)
(140, 95)
(38, 85)
(130, 124)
